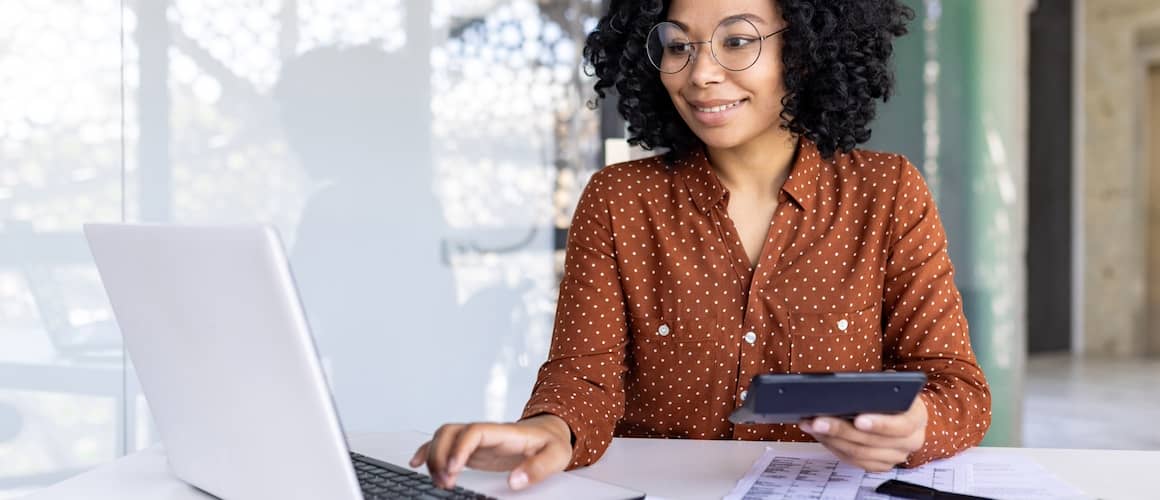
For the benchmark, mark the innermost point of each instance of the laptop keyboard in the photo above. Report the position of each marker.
(381, 480)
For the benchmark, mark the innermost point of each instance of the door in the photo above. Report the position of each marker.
(1152, 157)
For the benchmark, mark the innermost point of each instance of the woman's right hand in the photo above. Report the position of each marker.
(532, 449)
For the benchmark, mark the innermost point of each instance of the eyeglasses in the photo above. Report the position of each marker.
(735, 45)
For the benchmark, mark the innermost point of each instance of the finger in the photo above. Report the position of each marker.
(553, 457)
(866, 465)
(437, 454)
(835, 427)
(863, 456)
(462, 447)
(465, 443)
(897, 426)
(420, 455)
(828, 426)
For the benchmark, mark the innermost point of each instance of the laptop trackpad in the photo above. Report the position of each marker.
(398, 447)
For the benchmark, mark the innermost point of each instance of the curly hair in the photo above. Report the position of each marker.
(836, 60)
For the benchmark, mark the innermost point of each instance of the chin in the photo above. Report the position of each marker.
(720, 139)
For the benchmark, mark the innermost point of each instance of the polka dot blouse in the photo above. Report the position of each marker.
(662, 322)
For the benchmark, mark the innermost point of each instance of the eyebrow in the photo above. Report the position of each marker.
(753, 18)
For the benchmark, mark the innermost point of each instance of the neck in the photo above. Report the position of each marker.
(758, 167)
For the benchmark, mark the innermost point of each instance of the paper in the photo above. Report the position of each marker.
(1019, 477)
(820, 476)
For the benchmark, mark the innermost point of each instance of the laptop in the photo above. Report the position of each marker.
(220, 342)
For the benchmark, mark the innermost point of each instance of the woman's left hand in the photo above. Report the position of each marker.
(873, 442)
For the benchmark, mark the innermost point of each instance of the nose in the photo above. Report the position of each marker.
(703, 69)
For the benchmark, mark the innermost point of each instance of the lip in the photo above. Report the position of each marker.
(719, 118)
(711, 103)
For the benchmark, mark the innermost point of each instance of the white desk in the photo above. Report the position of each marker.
(671, 469)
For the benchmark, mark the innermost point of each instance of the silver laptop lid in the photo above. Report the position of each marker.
(214, 327)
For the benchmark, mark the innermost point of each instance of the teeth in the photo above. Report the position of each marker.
(718, 109)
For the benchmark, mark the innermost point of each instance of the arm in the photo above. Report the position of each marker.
(582, 382)
(924, 326)
(579, 395)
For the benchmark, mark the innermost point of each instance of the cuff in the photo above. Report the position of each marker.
(583, 453)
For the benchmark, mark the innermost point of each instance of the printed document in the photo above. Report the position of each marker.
(779, 475)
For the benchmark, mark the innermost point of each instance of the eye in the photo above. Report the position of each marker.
(678, 48)
(738, 42)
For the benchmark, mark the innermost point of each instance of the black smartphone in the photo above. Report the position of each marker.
(790, 398)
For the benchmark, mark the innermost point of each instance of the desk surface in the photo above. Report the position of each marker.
(670, 469)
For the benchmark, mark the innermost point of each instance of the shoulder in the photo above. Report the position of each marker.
(885, 175)
(645, 170)
(631, 179)
(899, 190)
(870, 164)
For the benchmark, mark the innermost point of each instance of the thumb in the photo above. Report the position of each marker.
(549, 460)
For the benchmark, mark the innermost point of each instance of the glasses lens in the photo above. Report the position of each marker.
(736, 44)
(669, 48)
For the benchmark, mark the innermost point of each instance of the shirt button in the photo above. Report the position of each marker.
(842, 324)
(663, 330)
(751, 337)
(743, 394)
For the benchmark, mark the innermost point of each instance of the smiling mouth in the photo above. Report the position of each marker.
(718, 109)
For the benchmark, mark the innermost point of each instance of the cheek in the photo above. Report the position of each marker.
(672, 85)
(767, 75)
(768, 88)
(772, 83)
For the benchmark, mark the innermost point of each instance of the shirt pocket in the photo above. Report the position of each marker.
(842, 341)
(671, 363)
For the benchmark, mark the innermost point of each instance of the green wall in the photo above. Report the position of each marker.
(977, 169)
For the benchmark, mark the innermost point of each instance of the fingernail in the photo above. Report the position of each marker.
(821, 426)
(864, 423)
(519, 480)
(805, 427)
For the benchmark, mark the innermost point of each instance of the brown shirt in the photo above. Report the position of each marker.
(662, 323)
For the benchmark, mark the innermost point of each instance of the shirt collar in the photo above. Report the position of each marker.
(707, 191)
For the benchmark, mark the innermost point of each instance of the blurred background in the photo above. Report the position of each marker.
(421, 160)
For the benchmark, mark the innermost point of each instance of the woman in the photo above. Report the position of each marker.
(763, 241)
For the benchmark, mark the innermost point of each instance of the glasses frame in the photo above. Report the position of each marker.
(696, 51)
